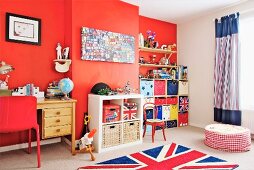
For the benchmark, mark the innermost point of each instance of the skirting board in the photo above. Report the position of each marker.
(25, 145)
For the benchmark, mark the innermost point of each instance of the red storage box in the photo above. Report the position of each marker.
(159, 87)
(111, 113)
(160, 101)
(182, 119)
(129, 111)
(172, 100)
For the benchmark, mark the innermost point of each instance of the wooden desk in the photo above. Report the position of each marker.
(57, 119)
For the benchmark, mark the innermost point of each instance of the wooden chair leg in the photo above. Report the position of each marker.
(153, 132)
(144, 130)
(163, 131)
(38, 147)
(29, 141)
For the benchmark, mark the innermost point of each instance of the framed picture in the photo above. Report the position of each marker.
(23, 29)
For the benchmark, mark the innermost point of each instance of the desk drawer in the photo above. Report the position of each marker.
(57, 131)
(57, 121)
(57, 112)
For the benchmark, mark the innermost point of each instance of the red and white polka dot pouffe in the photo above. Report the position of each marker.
(228, 137)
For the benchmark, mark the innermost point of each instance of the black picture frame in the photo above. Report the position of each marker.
(23, 29)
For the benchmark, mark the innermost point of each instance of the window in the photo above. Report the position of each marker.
(247, 62)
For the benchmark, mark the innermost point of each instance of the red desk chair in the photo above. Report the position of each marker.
(18, 113)
(153, 122)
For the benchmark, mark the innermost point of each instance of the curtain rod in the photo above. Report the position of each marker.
(241, 12)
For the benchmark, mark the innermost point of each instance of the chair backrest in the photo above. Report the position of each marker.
(150, 106)
(17, 113)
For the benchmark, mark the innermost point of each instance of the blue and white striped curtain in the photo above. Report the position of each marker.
(226, 71)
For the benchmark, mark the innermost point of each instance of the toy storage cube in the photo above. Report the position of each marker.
(171, 123)
(182, 119)
(111, 113)
(172, 100)
(147, 88)
(129, 111)
(183, 103)
(173, 112)
(183, 88)
(149, 113)
(159, 87)
(172, 87)
(165, 112)
(160, 101)
(131, 131)
(159, 116)
(111, 135)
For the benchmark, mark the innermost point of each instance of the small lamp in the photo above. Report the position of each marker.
(5, 68)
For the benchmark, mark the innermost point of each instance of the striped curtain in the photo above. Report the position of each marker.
(226, 71)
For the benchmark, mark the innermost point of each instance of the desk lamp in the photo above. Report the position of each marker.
(4, 69)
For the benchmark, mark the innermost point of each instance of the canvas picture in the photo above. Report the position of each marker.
(99, 45)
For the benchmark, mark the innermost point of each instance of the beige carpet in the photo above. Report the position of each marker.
(58, 157)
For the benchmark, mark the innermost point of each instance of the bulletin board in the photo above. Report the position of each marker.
(99, 45)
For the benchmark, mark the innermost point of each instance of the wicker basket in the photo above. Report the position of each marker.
(131, 131)
(111, 135)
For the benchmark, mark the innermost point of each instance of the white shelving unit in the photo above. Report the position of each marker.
(95, 109)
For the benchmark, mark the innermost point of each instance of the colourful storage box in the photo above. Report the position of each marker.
(172, 100)
(173, 112)
(172, 87)
(165, 112)
(168, 124)
(159, 116)
(182, 119)
(147, 88)
(129, 111)
(159, 87)
(183, 103)
(183, 88)
(111, 113)
(160, 101)
(171, 123)
(149, 114)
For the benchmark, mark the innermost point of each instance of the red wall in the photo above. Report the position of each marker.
(61, 22)
(112, 15)
(33, 64)
(166, 33)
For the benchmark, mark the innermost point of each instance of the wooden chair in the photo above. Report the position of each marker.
(19, 113)
(154, 122)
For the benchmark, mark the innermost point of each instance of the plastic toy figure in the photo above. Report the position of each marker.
(59, 51)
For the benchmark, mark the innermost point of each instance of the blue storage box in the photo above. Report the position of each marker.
(171, 123)
(149, 114)
(172, 87)
(159, 116)
(147, 88)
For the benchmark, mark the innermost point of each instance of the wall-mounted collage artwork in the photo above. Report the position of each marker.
(99, 45)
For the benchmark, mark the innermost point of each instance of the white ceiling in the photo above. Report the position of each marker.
(179, 11)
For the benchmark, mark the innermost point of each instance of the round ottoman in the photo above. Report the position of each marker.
(228, 137)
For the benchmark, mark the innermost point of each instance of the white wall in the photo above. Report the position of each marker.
(196, 49)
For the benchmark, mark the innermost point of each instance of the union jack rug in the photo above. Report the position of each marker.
(165, 157)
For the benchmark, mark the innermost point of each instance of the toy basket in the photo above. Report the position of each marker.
(131, 131)
(111, 135)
